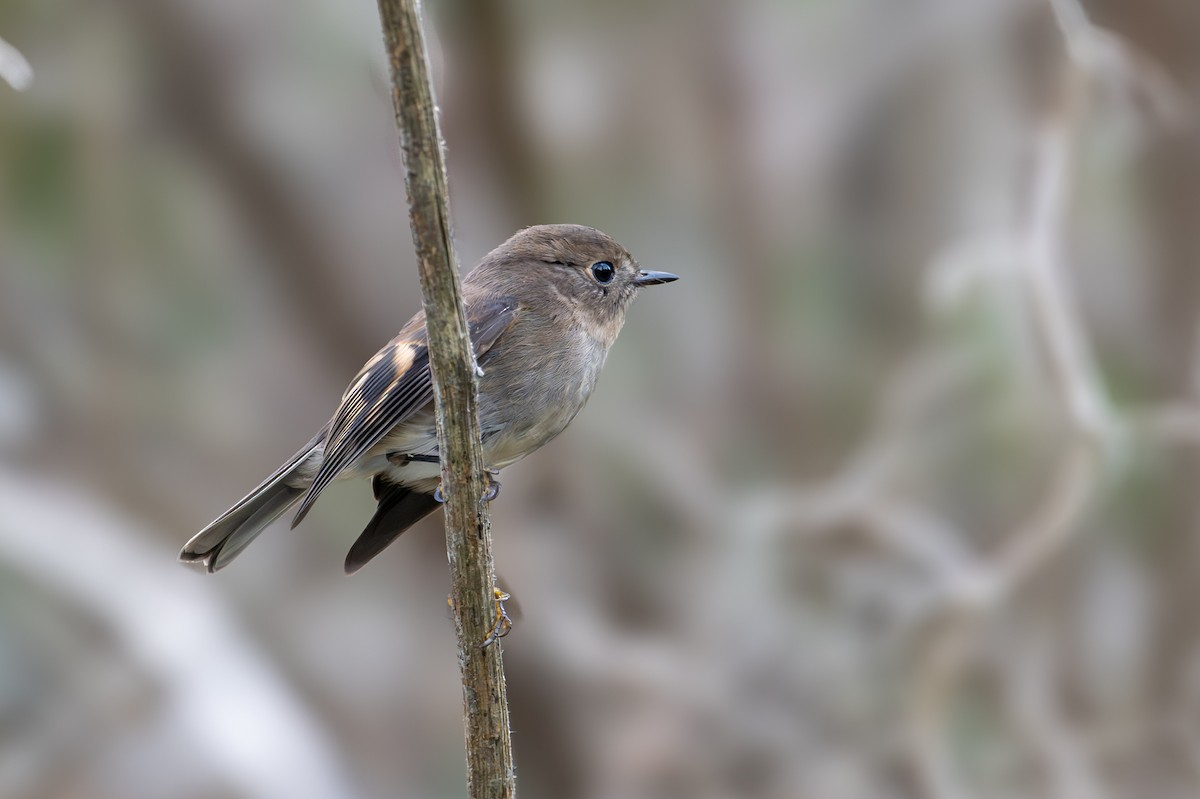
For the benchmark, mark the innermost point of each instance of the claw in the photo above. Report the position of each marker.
(503, 625)
(491, 489)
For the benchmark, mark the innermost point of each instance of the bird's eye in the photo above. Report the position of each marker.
(603, 271)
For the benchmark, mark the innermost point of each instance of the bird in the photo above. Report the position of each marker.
(543, 310)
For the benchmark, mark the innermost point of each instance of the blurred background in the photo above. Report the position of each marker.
(894, 494)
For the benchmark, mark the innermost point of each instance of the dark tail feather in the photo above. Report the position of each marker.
(399, 509)
(218, 543)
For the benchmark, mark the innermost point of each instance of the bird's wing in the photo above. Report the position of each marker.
(392, 386)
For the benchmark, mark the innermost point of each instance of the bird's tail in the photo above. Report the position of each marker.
(221, 541)
(399, 508)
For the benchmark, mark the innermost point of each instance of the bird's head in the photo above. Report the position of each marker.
(585, 271)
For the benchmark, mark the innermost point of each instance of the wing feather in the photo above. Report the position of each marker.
(391, 387)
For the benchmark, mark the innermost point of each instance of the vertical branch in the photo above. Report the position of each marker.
(468, 531)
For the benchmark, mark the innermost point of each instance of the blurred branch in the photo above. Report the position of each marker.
(486, 108)
(1034, 702)
(82, 550)
(1060, 327)
(1064, 338)
(14, 68)
(198, 89)
(968, 586)
(468, 531)
(1110, 58)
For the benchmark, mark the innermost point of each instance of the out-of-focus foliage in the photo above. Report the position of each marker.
(895, 494)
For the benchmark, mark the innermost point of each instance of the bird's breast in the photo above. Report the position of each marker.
(527, 400)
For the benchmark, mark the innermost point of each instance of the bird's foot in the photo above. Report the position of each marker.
(491, 486)
(502, 625)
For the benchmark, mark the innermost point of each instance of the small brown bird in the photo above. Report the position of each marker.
(543, 308)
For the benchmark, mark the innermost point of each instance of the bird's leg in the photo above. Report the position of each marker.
(491, 488)
(405, 458)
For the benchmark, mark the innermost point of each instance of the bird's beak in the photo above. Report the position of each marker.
(645, 278)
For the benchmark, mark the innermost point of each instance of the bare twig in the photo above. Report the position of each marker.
(468, 531)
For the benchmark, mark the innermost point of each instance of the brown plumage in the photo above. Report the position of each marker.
(544, 308)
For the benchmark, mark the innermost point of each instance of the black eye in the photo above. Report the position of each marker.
(603, 271)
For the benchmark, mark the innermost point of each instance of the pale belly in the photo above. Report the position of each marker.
(502, 447)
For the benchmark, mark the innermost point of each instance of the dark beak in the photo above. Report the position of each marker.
(653, 278)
